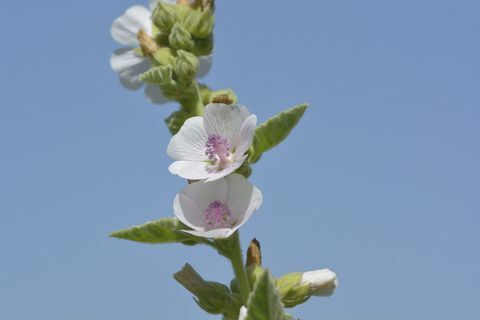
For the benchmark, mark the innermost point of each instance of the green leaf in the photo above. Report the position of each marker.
(270, 133)
(167, 230)
(264, 301)
(175, 121)
(160, 75)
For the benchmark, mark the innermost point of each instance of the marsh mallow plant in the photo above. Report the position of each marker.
(168, 46)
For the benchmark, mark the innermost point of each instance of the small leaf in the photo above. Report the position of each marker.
(264, 301)
(167, 230)
(175, 121)
(270, 133)
(160, 75)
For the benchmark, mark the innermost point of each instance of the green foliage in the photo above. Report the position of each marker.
(264, 301)
(199, 22)
(213, 297)
(186, 66)
(180, 38)
(175, 121)
(167, 230)
(270, 133)
(160, 75)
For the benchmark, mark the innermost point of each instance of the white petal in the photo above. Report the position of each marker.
(243, 313)
(245, 136)
(322, 282)
(226, 171)
(191, 170)
(202, 194)
(205, 65)
(125, 28)
(129, 67)
(189, 143)
(155, 95)
(225, 120)
(255, 203)
(212, 234)
(189, 213)
(239, 195)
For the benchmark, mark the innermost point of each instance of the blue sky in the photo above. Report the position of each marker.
(380, 181)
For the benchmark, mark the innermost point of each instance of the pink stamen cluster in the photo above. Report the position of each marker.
(218, 215)
(217, 148)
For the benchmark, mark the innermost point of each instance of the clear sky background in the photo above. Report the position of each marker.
(379, 182)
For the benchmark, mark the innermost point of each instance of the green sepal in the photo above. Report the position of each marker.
(175, 121)
(264, 302)
(164, 57)
(270, 133)
(245, 170)
(199, 22)
(203, 47)
(292, 292)
(205, 92)
(180, 38)
(166, 230)
(160, 75)
(213, 297)
(186, 66)
(164, 16)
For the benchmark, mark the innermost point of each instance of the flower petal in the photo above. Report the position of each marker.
(243, 313)
(205, 65)
(256, 200)
(155, 95)
(129, 67)
(203, 194)
(189, 143)
(212, 234)
(191, 170)
(244, 139)
(188, 213)
(225, 120)
(125, 28)
(226, 171)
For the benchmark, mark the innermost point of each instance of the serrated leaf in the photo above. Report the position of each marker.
(160, 75)
(167, 230)
(264, 302)
(270, 133)
(175, 121)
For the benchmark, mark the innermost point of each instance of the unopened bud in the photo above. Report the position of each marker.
(186, 66)
(199, 22)
(147, 43)
(254, 254)
(164, 56)
(180, 38)
(164, 16)
(213, 297)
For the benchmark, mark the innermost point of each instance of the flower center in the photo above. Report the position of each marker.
(218, 215)
(218, 149)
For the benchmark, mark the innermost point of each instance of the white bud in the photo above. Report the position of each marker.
(322, 282)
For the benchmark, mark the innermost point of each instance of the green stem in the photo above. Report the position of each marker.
(239, 268)
(191, 100)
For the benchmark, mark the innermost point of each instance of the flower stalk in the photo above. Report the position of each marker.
(236, 259)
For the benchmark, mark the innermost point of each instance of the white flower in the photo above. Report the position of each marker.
(128, 63)
(322, 282)
(217, 209)
(243, 313)
(212, 146)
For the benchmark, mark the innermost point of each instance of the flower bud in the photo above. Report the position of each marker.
(199, 22)
(186, 66)
(322, 283)
(164, 17)
(180, 38)
(213, 297)
(164, 56)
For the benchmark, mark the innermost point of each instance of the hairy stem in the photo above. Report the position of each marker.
(239, 268)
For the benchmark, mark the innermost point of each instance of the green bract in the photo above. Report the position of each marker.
(264, 302)
(275, 130)
(166, 230)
